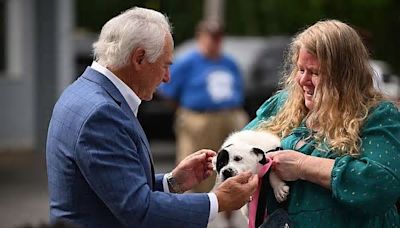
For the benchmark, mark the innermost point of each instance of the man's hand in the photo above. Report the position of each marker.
(194, 169)
(235, 192)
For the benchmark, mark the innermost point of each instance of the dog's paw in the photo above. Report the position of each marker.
(281, 192)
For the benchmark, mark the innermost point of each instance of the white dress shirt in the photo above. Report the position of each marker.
(134, 101)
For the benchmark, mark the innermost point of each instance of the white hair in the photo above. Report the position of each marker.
(133, 28)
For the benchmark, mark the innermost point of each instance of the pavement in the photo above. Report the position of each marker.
(24, 195)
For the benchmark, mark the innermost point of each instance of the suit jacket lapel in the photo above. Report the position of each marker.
(103, 81)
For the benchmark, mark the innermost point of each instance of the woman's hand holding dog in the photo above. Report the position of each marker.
(291, 165)
(235, 192)
(194, 169)
(287, 164)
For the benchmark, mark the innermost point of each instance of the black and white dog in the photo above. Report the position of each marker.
(245, 150)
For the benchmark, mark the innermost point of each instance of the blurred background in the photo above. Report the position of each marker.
(46, 44)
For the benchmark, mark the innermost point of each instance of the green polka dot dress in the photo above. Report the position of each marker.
(363, 191)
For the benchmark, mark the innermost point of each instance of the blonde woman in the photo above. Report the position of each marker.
(341, 137)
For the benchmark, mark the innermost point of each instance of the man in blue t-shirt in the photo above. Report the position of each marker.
(208, 88)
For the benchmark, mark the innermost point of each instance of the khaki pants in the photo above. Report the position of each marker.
(205, 130)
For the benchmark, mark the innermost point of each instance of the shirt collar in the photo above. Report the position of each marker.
(129, 95)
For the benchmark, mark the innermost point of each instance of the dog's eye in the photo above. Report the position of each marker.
(237, 158)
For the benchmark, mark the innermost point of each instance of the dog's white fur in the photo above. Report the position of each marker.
(240, 147)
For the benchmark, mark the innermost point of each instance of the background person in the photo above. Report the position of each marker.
(208, 88)
(99, 165)
(340, 134)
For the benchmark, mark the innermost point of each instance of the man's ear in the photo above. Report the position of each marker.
(260, 154)
(138, 56)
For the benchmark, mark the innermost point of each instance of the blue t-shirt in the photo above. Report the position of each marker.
(202, 84)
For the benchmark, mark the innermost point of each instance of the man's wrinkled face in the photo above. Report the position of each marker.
(156, 73)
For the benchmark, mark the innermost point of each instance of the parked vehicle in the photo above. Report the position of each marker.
(385, 79)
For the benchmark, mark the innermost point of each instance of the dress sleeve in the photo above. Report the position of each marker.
(371, 183)
(269, 108)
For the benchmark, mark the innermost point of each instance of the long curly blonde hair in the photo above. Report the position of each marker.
(344, 95)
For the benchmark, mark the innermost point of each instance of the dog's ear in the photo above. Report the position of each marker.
(222, 159)
(275, 149)
(260, 154)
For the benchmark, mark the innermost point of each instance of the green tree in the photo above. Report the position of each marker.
(378, 21)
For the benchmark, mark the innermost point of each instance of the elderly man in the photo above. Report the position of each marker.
(100, 169)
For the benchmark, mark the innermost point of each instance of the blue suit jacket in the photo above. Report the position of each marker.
(99, 164)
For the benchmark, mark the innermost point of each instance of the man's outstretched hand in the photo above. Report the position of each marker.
(194, 169)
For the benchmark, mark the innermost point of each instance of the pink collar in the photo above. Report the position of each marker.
(254, 202)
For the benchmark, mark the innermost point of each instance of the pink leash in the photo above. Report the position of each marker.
(254, 202)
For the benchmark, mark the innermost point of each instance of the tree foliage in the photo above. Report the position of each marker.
(378, 21)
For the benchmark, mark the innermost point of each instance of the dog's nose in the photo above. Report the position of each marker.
(227, 173)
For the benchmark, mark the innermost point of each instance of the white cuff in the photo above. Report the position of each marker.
(165, 184)
(213, 206)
